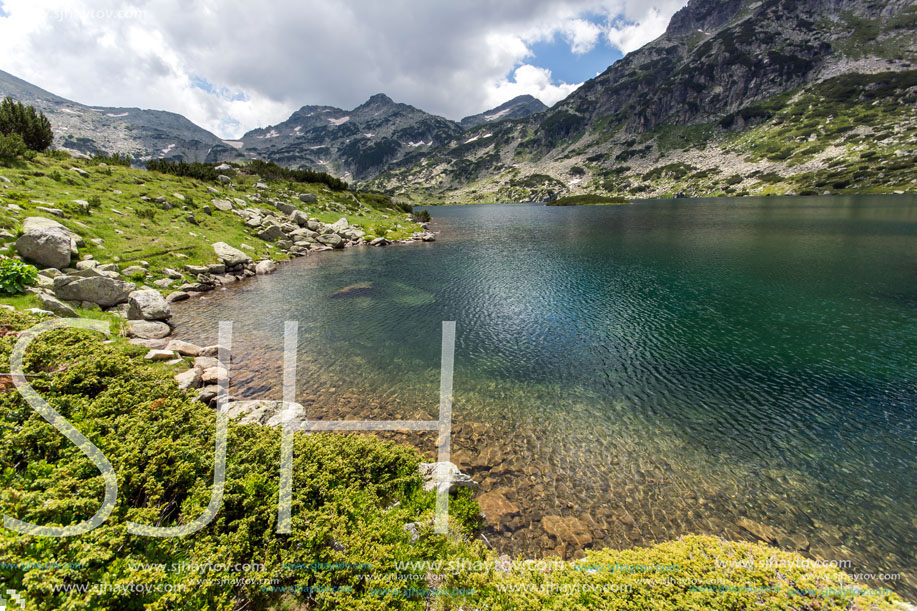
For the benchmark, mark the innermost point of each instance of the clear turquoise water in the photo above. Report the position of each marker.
(655, 369)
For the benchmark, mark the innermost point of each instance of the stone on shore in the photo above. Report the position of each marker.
(265, 267)
(159, 355)
(189, 379)
(214, 375)
(101, 290)
(178, 296)
(148, 329)
(148, 304)
(229, 255)
(183, 348)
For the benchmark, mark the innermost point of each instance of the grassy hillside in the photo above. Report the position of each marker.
(118, 226)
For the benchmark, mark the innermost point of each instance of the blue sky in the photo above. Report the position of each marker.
(569, 67)
(3, 13)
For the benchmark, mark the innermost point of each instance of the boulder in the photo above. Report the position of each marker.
(299, 217)
(51, 303)
(216, 268)
(214, 375)
(147, 329)
(223, 167)
(270, 233)
(189, 379)
(260, 185)
(87, 264)
(206, 362)
(222, 204)
(48, 247)
(100, 290)
(263, 411)
(159, 355)
(284, 207)
(183, 348)
(163, 283)
(82, 173)
(379, 242)
(331, 239)
(340, 225)
(148, 304)
(265, 267)
(444, 475)
(229, 255)
(308, 198)
(224, 178)
(177, 296)
(131, 270)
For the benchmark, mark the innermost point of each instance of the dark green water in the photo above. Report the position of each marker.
(656, 369)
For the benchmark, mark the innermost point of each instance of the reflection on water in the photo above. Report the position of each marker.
(737, 367)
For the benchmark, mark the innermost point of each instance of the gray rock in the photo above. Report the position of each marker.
(148, 304)
(101, 290)
(229, 255)
(308, 198)
(159, 355)
(183, 348)
(284, 207)
(87, 264)
(177, 296)
(260, 185)
(163, 283)
(82, 173)
(206, 210)
(172, 273)
(49, 247)
(265, 412)
(211, 350)
(331, 239)
(265, 267)
(299, 217)
(222, 204)
(148, 329)
(197, 269)
(131, 270)
(224, 178)
(206, 362)
(216, 268)
(270, 233)
(54, 211)
(379, 242)
(189, 379)
(340, 225)
(214, 375)
(208, 394)
(223, 167)
(57, 306)
(444, 475)
(108, 267)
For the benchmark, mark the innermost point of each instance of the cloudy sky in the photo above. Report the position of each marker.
(233, 65)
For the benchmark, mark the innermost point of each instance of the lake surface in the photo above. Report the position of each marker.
(657, 369)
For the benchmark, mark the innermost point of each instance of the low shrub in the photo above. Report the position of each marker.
(15, 275)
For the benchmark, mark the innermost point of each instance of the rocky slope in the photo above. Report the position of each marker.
(352, 144)
(143, 134)
(518, 108)
(726, 77)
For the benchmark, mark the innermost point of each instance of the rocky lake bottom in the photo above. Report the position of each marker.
(629, 374)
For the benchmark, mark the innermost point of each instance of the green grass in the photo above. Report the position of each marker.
(132, 230)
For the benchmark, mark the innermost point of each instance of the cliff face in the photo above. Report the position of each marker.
(717, 64)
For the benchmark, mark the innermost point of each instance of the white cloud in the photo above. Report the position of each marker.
(531, 80)
(631, 36)
(450, 58)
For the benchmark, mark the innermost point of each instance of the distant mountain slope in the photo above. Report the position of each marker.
(518, 108)
(723, 68)
(353, 144)
(141, 133)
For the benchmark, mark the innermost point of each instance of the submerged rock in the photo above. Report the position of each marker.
(444, 475)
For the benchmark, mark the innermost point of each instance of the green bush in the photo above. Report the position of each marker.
(423, 216)
(32, 125)
(15, 276)
(201, 171)
(12, 147)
